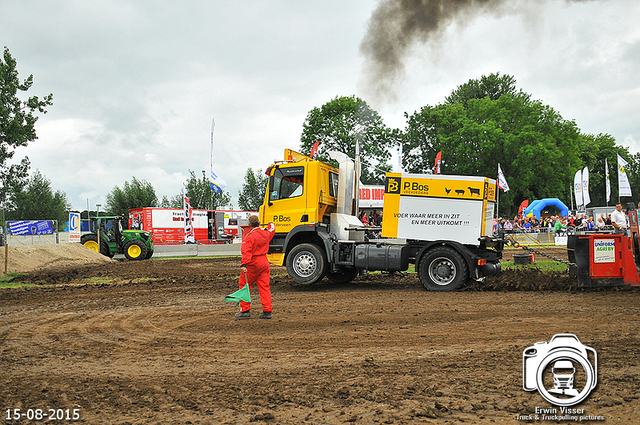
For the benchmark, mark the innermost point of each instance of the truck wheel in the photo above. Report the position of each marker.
(343, 276)
(442, 269)
(135, 250)
(91, 242)
(306, 263)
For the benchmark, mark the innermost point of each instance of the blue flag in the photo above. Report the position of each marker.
(217, 183)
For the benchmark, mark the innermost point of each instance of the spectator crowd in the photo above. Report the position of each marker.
(555, 223)
(520, 224)
(374, 220)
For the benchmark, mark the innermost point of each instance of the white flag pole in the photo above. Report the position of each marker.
(213, 126)
(608, 182)
(498, 194)
(497, 200)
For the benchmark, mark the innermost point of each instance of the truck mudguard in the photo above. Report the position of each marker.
(315, 233)
(469, 256)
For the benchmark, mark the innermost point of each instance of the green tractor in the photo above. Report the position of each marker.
(134, 244)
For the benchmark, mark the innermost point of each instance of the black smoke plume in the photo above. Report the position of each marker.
(397, 25)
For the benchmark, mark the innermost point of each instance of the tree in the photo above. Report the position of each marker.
(174, 202)
(37, 201)
(199, 193)
(434, 129)
(338, 123)
(17, 124)
(201, 196)
(137, 194)
(253, 189)
(491, 86)
(537, 149)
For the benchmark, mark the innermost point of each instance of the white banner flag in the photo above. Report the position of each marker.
(215, 181)
(586, 199)
(608, 181)
(189, 236)
(502, 182)
(577, 188)
(624, 188)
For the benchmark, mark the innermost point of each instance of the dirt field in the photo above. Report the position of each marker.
(153, 343)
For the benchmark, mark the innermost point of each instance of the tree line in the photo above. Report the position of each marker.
(482, 123)
(140, 193)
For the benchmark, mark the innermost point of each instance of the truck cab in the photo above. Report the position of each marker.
(300, 197)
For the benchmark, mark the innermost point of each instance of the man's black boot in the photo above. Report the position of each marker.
(265, 315)
(243, 315)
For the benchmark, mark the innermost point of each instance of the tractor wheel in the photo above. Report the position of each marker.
(442, 269)
(306, 263)
(343, 276)
(135, 250)
(106, 251)
(91, 242)
(149, 254)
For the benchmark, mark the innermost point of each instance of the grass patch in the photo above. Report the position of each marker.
(107, 280)
(6, 281)
(93, 281)
(191, 257)
(542, 265)
(98, 280)
(516, 248)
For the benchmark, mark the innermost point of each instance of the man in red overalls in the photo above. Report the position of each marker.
(255, 266)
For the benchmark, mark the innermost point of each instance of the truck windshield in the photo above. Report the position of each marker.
(286, 183)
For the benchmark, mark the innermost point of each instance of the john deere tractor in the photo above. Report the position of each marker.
(134, 244)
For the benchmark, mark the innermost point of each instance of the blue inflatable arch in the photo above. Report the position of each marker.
(536, 207)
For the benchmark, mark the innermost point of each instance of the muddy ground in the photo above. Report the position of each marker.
(153, 342)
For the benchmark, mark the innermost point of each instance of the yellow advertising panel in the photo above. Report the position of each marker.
(442, 188)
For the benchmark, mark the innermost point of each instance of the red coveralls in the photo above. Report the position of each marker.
(254, 257)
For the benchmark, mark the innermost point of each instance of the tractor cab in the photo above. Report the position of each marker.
(110, 228)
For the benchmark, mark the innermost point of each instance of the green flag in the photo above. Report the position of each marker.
(240, 295)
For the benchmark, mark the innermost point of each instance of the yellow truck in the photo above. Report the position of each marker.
(441, 223)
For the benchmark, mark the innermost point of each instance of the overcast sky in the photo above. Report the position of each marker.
(136, 84)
